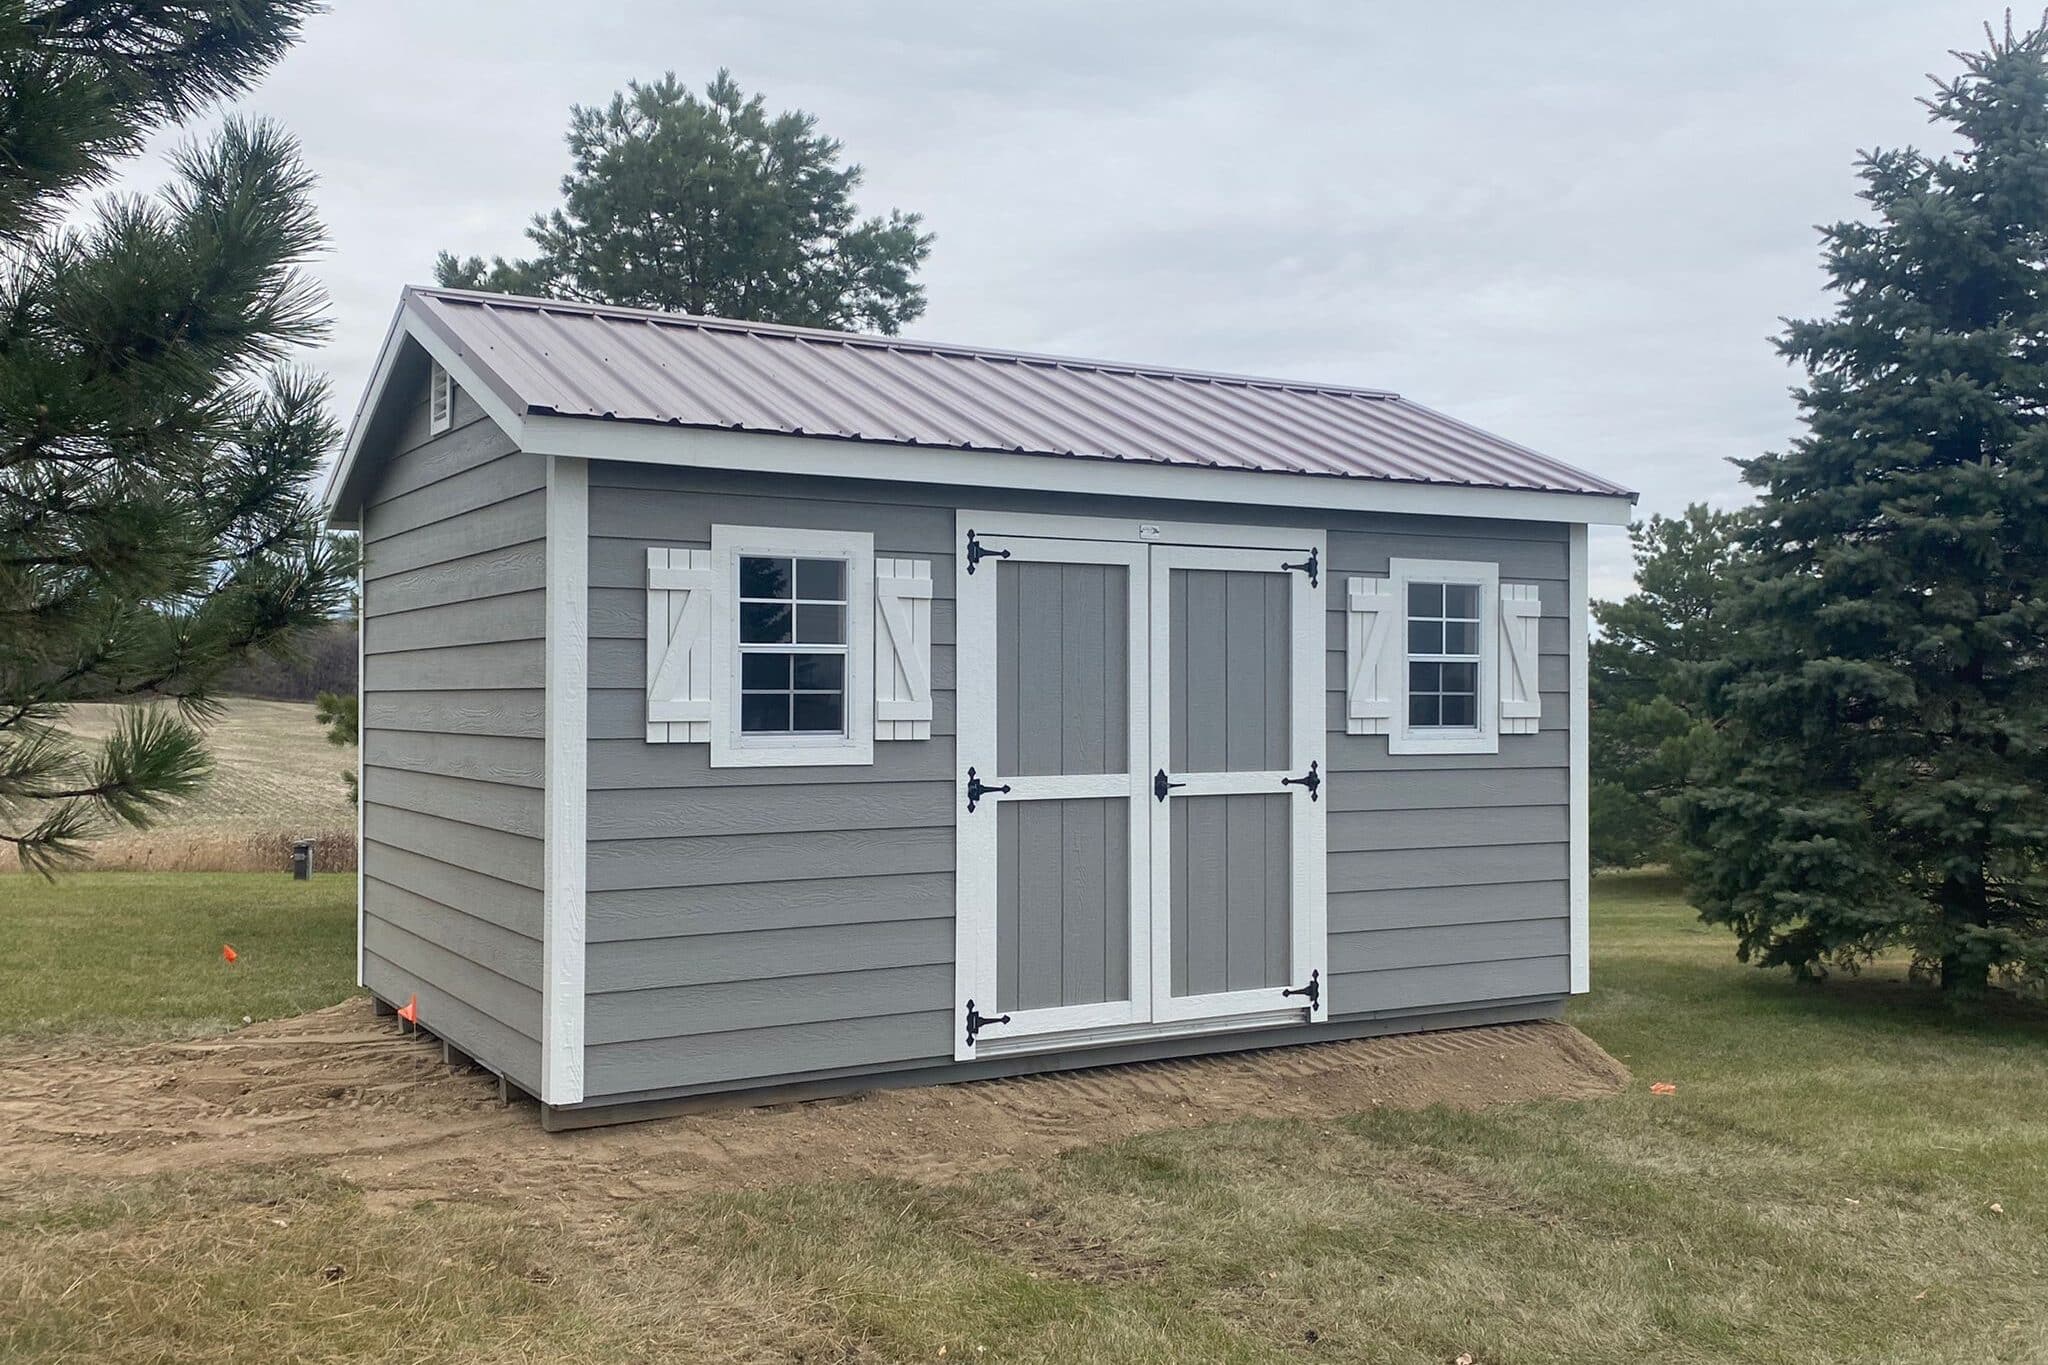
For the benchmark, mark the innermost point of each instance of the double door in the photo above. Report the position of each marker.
(1140, 829)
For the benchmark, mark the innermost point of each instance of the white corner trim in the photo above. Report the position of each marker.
(732, 748)
(566, 780)
(1483, 738)
(1581, 774)
(362, 632)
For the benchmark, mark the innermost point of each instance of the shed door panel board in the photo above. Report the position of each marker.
(454, 619)
(1051, 651)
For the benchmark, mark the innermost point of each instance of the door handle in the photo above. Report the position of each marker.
(1160, 786)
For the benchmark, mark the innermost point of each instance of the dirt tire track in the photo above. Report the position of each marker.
(351, 1094)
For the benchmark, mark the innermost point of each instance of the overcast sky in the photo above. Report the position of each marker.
(1573, 224)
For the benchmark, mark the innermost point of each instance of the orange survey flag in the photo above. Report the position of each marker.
(410, 1010)
(227, 952)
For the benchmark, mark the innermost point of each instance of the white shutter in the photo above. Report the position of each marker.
(1372, 643)
(679, 588)
(903, 649)
(1521, 705)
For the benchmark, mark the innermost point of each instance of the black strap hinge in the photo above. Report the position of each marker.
(1314, 782)
(1312, 566)
(977, 1021)
(976, 552)
(978, 789)
(1313, 990)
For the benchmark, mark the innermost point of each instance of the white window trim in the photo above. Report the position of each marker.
(730, 746)
(1483, 738)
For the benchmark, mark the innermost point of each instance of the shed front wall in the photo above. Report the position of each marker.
(768, 926)
(454, 578)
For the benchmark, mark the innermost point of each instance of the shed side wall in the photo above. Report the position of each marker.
(763, 924)
(454, 544)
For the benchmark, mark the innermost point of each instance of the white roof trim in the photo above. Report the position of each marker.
(829, 457)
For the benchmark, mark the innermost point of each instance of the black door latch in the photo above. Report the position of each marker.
(977, 789)
(1313, 782)
(1313, 990)
(977, 1021)
(1160, 786)
(976, 552)
(1311, 566)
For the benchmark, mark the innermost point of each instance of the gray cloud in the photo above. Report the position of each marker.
(1574, 224)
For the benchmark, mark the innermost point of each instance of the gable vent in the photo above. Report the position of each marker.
(440, 401)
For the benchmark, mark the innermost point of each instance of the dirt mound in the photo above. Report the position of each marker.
(354, 1095)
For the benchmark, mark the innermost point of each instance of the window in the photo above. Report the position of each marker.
(1447, 668)
(792, 646)
(792, 633)
(1443, 655)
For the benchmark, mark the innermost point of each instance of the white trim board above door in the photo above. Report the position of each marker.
(1283, 794)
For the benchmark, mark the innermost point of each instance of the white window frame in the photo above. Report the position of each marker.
(1483, 738)
(731, 747)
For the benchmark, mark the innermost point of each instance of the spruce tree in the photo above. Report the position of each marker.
(156, 448)
(713, 206)
(1880, 772)
(1644, 679)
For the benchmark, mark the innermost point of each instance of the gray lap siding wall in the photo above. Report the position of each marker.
(454, 617)
(762, 925)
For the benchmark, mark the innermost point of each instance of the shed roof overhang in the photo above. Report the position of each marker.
(422, 331)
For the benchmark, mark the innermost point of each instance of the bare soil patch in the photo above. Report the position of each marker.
(350, 1094)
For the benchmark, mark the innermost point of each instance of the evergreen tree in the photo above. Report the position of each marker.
(1643, 677)
(155, 450)
(1879, 777)
(712, 206)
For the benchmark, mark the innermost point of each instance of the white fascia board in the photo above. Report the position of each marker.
(828, 457)
(406, 325)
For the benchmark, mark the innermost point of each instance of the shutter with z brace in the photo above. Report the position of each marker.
(1372, 657)
(903, 649)
(679, 588)
(1521, 705)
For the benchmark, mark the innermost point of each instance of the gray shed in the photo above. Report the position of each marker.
(757, 711)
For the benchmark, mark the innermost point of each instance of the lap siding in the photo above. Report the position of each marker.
(454, 617)
(753, 924)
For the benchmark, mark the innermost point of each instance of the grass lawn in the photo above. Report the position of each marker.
(1844, 1174)
(133, 954)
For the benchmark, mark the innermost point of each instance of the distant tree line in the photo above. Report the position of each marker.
(323, 660)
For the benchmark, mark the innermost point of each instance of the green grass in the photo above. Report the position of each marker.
(134, 954)
(1820, 1188)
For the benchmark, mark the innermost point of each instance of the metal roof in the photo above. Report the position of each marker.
(624, 364)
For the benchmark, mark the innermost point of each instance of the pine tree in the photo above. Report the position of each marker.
(155, 447)
(1644, 679)
(1880, 772)
(712, 206)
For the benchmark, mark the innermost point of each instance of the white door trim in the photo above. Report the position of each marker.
(975, 967)
(1308, 909)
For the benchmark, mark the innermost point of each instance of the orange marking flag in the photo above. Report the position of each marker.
(410, 1010)
(228, 953)
(1663, 1088)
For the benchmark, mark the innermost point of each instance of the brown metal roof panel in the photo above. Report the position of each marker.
(582, 360)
